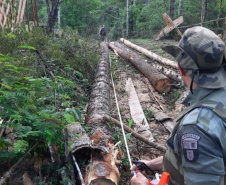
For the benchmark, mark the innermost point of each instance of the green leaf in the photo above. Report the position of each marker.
(131, 122)
(4, 57)
(69, 118)
(128, 135)
(10, 35)
(27, 47)
(20, 146)
(148, 115)
(87, 128)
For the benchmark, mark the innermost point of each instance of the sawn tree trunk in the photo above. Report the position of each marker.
(102, 168)
(159, 81)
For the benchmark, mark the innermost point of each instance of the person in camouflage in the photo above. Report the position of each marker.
(196, 153)
(102, 33)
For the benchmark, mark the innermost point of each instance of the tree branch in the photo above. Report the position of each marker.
(9, 172)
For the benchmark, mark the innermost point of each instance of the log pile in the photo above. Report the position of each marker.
(164, 61)
(159, 81)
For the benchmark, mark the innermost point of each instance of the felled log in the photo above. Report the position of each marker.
(150, 54)
(168, 72)
(102, 168)
(159, 81)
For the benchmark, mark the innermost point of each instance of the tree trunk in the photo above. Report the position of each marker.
(159, 81)
(127, 18)
(224, 36)
(150, 54)
(180, 7)
(172, 7)
(134, 2)
(203, 10)
(52, 11)
(102, 168)
(168, 72)
(147, 2)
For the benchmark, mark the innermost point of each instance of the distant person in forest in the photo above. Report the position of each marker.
(196, 153)
(103, 33)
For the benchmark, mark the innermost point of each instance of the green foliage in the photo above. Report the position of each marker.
(148, 114)
(130, 123)
(20, 146)
(83, 15)
(33, 103)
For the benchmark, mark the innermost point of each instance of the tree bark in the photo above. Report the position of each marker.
(150, 54)
(159, 81)
(103, 169)
(52, 13)
(203, 10)
(127, 18)
(180, 7)
(224, 37)
(172, 7)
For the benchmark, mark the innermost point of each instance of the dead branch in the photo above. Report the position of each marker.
(138, 136)
(9, 172)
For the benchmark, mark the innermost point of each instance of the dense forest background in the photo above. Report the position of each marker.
(135, 18)
(47, 73)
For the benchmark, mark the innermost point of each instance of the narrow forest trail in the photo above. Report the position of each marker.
(152, 102)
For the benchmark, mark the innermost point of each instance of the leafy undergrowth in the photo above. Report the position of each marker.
(44, 82)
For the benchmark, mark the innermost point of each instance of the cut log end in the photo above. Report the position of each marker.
(102, 181)
(163, 85)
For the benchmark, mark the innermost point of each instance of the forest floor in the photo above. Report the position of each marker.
(169, 103)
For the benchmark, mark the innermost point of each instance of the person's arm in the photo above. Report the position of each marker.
(155, 164)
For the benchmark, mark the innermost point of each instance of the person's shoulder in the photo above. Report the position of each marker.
(204, 118)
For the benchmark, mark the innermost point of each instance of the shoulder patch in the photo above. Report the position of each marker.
(190, 147)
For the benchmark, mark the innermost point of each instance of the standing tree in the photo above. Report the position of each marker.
(203, 10)
(52, 10)
(127, 18)
(180, 7)
(172, 7)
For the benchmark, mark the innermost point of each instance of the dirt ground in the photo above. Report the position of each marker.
(169, 103)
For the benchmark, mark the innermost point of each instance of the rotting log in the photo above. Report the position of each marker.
(150, 54)
(159, 81)
(135, 134)
(102, 166)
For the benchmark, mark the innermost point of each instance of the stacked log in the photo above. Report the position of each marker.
(150, 54)
(159, 81)
(161, 60)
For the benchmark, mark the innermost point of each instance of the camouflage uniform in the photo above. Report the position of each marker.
(197, 147)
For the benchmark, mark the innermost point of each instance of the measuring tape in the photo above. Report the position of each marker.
(120, 119)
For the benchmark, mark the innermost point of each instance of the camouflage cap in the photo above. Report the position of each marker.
(200, 53)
